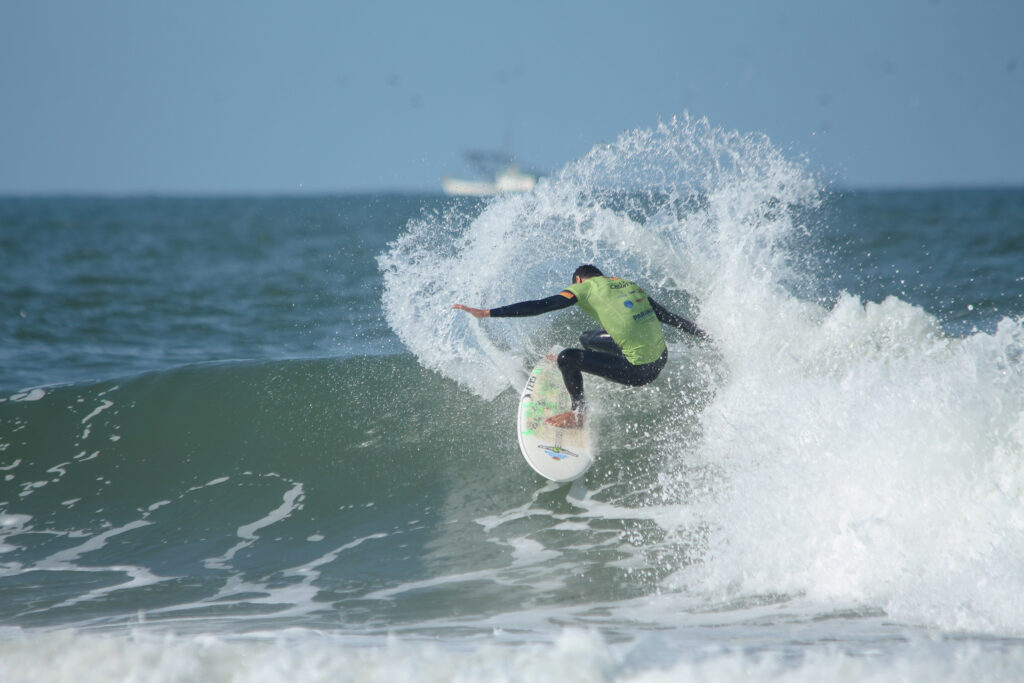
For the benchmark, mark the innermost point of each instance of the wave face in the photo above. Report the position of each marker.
(286, 492)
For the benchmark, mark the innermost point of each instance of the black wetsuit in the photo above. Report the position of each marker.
(600, 354)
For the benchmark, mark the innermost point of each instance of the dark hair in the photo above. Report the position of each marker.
(585, 271)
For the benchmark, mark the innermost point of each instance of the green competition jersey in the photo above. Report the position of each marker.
(622, 309)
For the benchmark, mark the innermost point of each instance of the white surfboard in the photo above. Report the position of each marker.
(556, 453)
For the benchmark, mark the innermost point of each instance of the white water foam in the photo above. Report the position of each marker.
(303, 656)
(863, 456)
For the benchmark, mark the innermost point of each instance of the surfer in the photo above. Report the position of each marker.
(629, 349)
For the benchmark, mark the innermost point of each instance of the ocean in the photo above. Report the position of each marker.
(247, 439)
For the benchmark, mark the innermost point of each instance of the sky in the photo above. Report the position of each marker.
(254, 97)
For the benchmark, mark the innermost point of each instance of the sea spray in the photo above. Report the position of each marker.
(683, 208)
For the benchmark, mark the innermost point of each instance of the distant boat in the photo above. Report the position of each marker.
(506, 177)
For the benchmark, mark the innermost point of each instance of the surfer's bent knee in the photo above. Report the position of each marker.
(569, 358)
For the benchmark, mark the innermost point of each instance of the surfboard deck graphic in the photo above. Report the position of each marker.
(555, 453)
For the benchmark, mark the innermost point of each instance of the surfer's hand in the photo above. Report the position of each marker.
(475, 312)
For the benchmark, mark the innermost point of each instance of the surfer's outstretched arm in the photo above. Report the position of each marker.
(475, 312)
(536, 307)
(523, 308)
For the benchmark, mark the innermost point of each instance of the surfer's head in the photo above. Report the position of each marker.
(586, 271)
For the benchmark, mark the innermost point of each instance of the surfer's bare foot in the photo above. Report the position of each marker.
(568, 420)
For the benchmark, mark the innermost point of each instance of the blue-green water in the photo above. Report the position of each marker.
(247, 438)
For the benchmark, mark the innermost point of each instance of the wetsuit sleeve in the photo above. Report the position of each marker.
(536, 307)
(676, 321)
